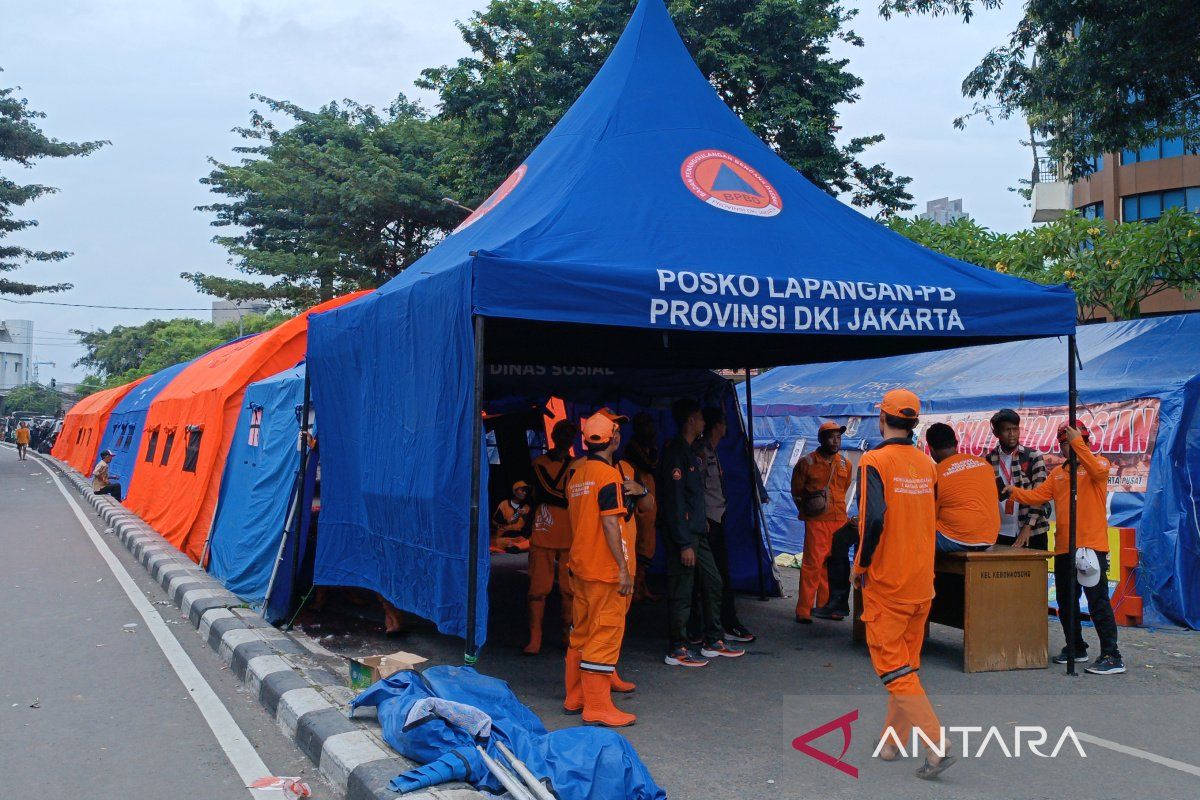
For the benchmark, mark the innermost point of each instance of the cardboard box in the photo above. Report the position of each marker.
(367, 670)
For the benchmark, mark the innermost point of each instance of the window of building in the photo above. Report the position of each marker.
(192, 453)
(152, 446)
(167, 445)
(1159, 148)
(1092, 211)
(1150, 206)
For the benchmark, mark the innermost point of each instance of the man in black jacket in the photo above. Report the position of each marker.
(689, 556)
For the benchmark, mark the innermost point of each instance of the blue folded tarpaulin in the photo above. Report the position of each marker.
(651, 227)
(582, 763)
(258, 483)
(1149, 358)
(127, 421)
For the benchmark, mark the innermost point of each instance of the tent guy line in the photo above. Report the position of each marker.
(241, 754)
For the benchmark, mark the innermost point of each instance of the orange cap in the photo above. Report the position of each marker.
(600, 427)
(520, 485)
(831, 426)
(901, 403)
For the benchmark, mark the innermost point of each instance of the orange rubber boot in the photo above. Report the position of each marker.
(623, 687)
(574, 702)
(598, 708)
(537, 610)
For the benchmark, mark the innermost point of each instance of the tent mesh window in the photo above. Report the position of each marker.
(150, 448)
(79, 436)
(192, 452)
(167, 445)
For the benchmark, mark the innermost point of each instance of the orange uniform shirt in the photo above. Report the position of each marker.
(1092, 528)
(897, 522)
(551, 523)
(22, 435)
(968, 510)
(594, 492)
(814, 472)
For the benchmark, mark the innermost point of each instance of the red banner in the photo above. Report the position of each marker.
(1122, 432)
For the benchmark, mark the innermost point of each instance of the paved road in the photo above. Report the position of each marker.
(113, 719)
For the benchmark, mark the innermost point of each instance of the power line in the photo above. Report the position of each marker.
(89, 305)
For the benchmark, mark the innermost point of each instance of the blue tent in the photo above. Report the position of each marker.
(257, 487)
(650, 228)
(128, 419)
(1122, 361)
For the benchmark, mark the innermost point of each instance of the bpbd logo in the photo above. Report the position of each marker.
(726, 182)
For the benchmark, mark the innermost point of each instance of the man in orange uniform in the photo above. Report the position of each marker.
(510, 520)
(819, 484)
(603, 562)
(550, 543)
(897, 521)
(22, 438)
(1091, 534)
(968, 508)
(642, 453)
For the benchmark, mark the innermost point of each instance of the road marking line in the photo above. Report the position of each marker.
(1142, 754)
(241, 754)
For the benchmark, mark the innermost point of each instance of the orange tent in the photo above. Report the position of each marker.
(189, 426)
(84, 425)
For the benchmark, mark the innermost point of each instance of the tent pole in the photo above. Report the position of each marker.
(297, 496)
(472, 651)
(1072, 467)
(755, 499)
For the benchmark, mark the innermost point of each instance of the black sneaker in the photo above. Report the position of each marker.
(1080, 658)
(828, 613)
(1107, 665)
(738, 633)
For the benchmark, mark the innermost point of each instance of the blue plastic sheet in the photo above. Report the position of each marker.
(582, 763)
(611, 246)
(260, 475)
(1150, 358)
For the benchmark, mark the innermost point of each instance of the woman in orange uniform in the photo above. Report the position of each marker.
(602, 499)
(819, 484)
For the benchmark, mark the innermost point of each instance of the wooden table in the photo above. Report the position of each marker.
(997, 597)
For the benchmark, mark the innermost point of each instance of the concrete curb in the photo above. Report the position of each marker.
(300, 690)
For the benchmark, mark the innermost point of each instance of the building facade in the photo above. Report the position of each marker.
(943, 211)
(228, 311)
(16, 353)
(1135, 185)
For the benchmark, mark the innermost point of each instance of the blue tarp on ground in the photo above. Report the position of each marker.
(651, 227)
(127, 421)
(1149, 358)
(260, 474)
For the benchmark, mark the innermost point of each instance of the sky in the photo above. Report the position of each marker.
(165, 81)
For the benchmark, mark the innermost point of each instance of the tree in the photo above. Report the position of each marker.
(23, 143)
(1112, 266)
(127, 352)
(1091, 77)
(33, 399)
(343, 199)
(769, 60)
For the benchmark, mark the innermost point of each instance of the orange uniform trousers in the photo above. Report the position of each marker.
(895, 634)
(814, 580)
(599, 624)
(645, 519)
(544, 564)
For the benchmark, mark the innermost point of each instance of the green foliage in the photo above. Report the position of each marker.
(769, 60)
(1090, 77)
(127, 352)
(23, 143)
(343, 199)
(33, 399)
(1112, 266)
